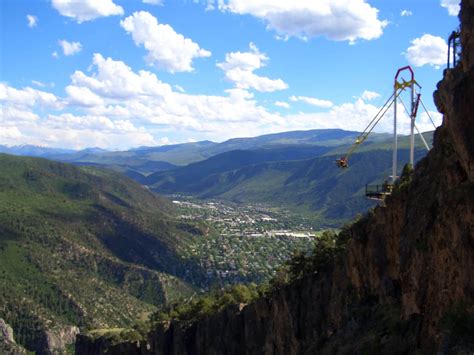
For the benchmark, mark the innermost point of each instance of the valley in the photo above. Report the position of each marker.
(244, 243)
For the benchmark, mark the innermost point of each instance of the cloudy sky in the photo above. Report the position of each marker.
(117, 74)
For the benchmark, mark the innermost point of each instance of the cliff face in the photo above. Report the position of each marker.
(407, 279)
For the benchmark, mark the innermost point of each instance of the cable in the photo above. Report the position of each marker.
(423, 139)
(421, 135)
(422, 104)
(372, 123)
(375, 117)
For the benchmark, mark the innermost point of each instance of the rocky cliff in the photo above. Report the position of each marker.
(405, 283)
(8, 346)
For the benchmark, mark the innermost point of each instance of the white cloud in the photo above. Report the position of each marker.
(427, 49)
(369, 95)
(353, 116)
(27, 97)
(111, 100)
(55, 55)
(9, 135)
(423, 121)
(86, 10)
(116, 80)
(239, 68)
(12, 113)
(167, 49)
(112, 106)
(70, 48)
(312, 101)
(143, 97)
(153, 2)
(340, 20)
(83, 96)
(452, 6)
(282, 104)
(32, 21)
(405, 13)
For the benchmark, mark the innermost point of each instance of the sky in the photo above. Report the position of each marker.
(118, 74)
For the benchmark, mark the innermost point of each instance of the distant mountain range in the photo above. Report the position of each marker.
(147, 160)
(290, 169)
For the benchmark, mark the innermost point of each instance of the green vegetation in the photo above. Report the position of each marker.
(328, 248)
(90, 248)
(211, 303)
(115, 335)
(83, 247)
(243, 243)
(231, 259)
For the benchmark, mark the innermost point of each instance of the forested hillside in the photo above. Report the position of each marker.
(82, 247)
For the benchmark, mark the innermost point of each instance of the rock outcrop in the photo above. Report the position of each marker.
(56, 341)
(406, 282)
(8, 346)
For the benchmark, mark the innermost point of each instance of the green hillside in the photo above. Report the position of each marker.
(312, 186)
(83, 247)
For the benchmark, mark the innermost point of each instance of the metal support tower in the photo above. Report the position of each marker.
(395, 138)
(412, 123)
(398, 87)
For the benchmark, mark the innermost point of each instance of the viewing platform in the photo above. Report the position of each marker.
(378, 192)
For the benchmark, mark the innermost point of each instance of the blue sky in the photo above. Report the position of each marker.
(119, 74)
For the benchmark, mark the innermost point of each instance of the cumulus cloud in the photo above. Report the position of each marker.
(116, 107)
(167, 49)
(28, 97)
(282, 104)
(70, 48)
(32, 21)
(87, 10)
(239, 68)
(312, 101)
(452, 6)
(116, 80)
(427, 49)
(142, 96)
(9, 135)
(83, 96)
(405, 13)
(19, 124)
(18, 114)
(113, 106)
(340, 20)
(369, 95)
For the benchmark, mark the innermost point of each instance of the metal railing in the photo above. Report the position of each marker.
(378, 190)
(453, 48)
